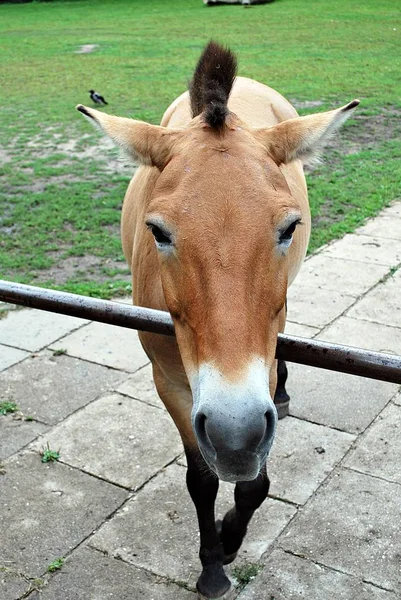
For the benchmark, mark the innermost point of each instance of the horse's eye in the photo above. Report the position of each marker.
(286, 236)
(161, 237)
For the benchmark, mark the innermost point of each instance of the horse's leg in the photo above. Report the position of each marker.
(281, 398)
(248, 495)
(202, 486)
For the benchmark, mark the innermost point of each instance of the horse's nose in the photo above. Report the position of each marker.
(235, 442)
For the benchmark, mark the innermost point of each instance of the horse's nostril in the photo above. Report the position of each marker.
(200, 430)
(270, 428)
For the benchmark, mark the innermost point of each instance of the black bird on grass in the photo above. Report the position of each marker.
(97, 98)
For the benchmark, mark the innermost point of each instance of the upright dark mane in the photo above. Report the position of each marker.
(211, 84)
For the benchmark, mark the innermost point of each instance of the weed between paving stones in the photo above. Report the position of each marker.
(49, 455)
(55, 565)
(7, 407)
(245, 573)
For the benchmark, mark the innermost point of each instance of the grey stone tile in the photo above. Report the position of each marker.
(88, 575)
(315, 306)
(302, 456)
(12, 585)
(10, 356)
(397, 399)
(287, 577)
(157, 529)
(339, 275)
(392, 211)
(339, 400)
(363, 334)
(141, 387)
(108, 345)
(16, 433)
(382, 304)
(300, 330)
(352, 525)
(47, 509)
(58, 385)
(366, 248)
(385, 226)
(117, 438)
(378, 452)
(32, 330)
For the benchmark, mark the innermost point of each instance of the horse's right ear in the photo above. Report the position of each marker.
(146, 144)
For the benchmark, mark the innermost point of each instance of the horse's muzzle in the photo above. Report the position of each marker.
(234, 424)
(235, 445)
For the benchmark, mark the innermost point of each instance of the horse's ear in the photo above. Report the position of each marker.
(304, 137)
(147, 144)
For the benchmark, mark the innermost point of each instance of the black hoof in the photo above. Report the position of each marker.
(212, 584)
(282, 403)
(283, 409)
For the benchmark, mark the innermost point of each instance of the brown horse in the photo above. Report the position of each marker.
(215, 226)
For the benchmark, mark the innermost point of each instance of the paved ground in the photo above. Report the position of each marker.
(115, 505)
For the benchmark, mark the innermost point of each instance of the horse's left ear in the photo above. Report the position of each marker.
(304, 137)
(145, 143)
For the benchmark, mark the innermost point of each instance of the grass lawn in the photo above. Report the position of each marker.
(61, 185)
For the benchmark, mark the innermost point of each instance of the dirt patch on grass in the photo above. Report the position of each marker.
(83, 148)
(91, 268)
(365, 133)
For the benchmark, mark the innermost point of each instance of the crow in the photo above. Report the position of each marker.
(97, 98)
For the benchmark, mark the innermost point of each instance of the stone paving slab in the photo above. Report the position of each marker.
(141, 387)
(382, 304)
(379, 450)
(382, 226)
(47, 509)
(116, 438)
(89, 575)
(397, 399)
(58, 385)
(17, 433)
(315, 306)
(157, 529)
(346, 276)
(107, 345)
(392, 211)
(363, 334)
(352, 525)
(365, 248)
(32, 330)
(338, 400)
(300, 330)
(10, 356)
(13, 585)
(302, 456)
(287, 577)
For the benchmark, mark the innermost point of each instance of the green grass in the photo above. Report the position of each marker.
(8, 407)
(49, 455)
(244, 573)
(55, 565)
(60, 207)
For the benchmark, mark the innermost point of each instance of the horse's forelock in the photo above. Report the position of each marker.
(211, 84)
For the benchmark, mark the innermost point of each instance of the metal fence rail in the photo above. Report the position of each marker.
(335, 357)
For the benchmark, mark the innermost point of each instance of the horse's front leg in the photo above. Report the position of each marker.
(249, 495)
(203, 486)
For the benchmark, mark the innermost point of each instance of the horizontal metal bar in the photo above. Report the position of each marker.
(334, 357)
